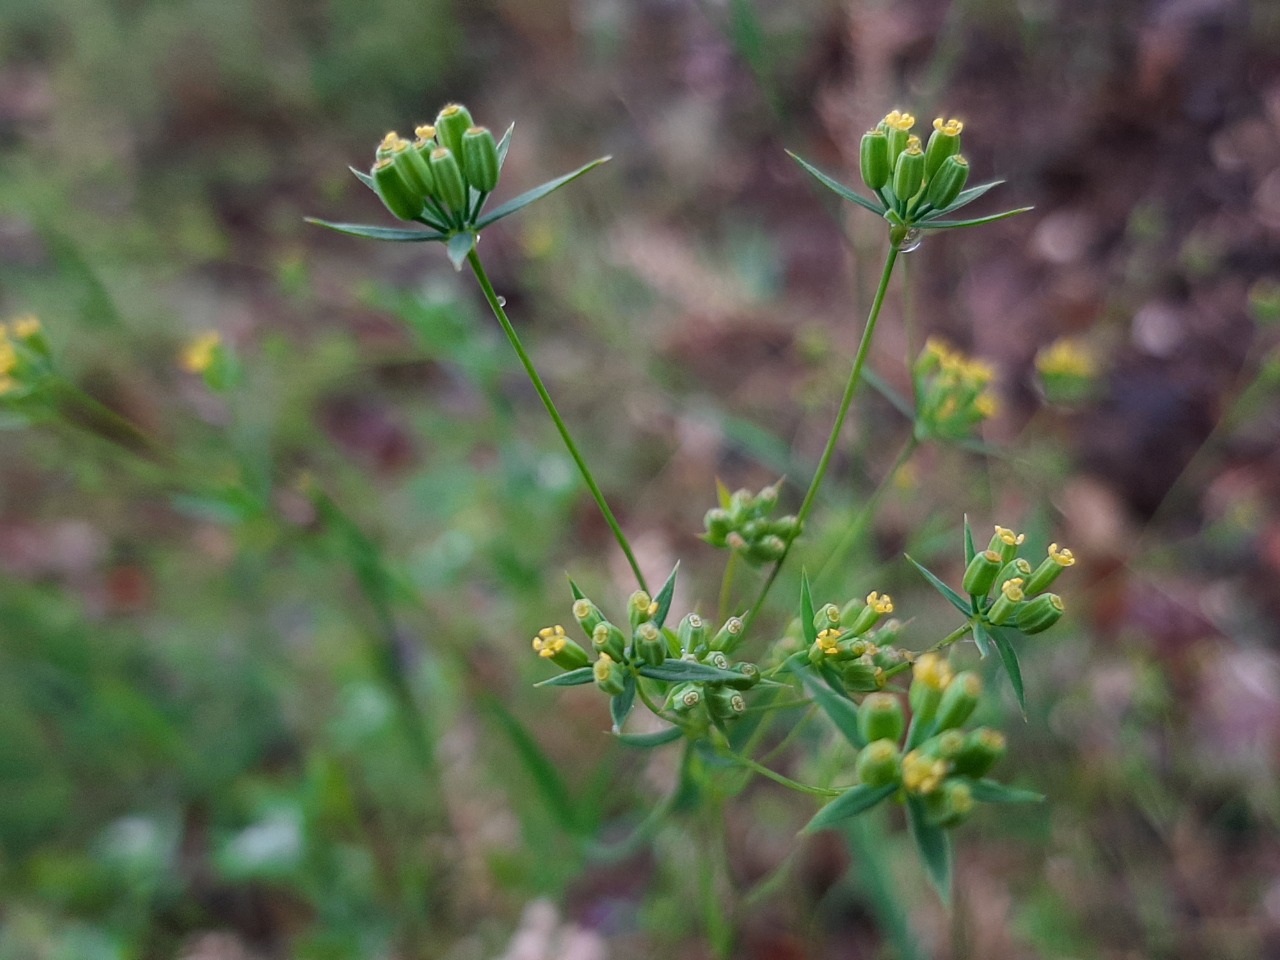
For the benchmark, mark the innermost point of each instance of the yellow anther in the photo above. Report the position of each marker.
(899, 120)
(393, 143)
(913, 141)
(652, 609)
(198, 355)
(880, 603)
(913, 147)
(1012, 589)
(1063, 557)
(932, 671)
(922, 773)
(827, 640)
(424, 131)
(950, 127)
(1066, 358)
(450, 109)
(1009, 537)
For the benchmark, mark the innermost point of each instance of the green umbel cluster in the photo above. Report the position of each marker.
(443, 175)
(848, 640)
(1020, 600)
(953, 392)
(743, 523)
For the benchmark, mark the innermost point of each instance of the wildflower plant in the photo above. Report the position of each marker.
(718, 682)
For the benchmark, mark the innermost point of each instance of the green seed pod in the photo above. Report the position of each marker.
(826, 618)
(719, 524)
(684, 697)
(750, 676)
(401, 199)
(888, 656)
(1038, 615)
(650, 644)
(753, 530)
(480, 159)
(1017, 568)
(878, 604)
(982, 749)
(880, 717)
(1007, 602)
(588, 615)
(1050, 567)
(552, 644)
(879, 763)
(908, 174)
(608, 639)
(609, 675)
(450, 186)
(451, 126)
(980, 575)
(947, 183)
(949, 805)
(788, 527)
(725, 702)
(767, 549)
(874, 159)
(692, 633)
(1005, 542)
(945, 746)
(727, 637)
(715, 658)
(959, 700)
(944, 142)
(415, 171)
(862, 677)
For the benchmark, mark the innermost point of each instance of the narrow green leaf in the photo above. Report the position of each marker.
(969, 552)
(852, 802)
(918, 733)
(460, 244)
(952, 224)
(881, 386)
(679, 670)
(577, 594)
(839, 189)
(957, 601)
(807, 628)
(647, 741)
(537, 193)
(934, 846)
(981, 638)
(572, 678)
(395, 234)
(663, 599)
(723, 496)
(504, 145)
(1009, 658)
(963, 198)
(989, 791)
(620, 706)
(840, 709)
(552, 789)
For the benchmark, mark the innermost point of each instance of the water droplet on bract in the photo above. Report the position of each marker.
(912, 241)
(502, 301)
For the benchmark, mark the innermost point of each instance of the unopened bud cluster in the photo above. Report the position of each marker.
(953, 392)
(943, 759)
(853, 640)
(910, 177)
(744, 524)
(443, 175)
(1009, 590)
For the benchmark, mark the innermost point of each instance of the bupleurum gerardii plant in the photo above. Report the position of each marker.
(718, 681)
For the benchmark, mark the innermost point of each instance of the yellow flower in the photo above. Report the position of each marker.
(880, 603)
(549, 641)
(1066, 357)
(1009, 537)
(199, 354)
(950, 127)
(932, 671)
(922, 773)
(899, 120)
(1063, 557)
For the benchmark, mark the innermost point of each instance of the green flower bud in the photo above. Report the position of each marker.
(931, 675)
(480, 159)
(908, 173)
(947, 183)
(944, 142)
(1005, 542)
(888, 656)
(753, 530)
(980, 575)
(450, 187)
(878, 604)
(552, 644)
(826, 618)
(1039, 614)
(684, 697)
(982, 749)
(945, 746)
(725, 702)
(401, 199)
(413, 169)
(879, 763)
(608, 640)
(788, 527)
(1017, 568)
(692, 633)
(959, 700)
(768, 549)
(880, 717)
(1007, 602)
(715, 658)
(1050, 567)
(650, 644)
(609, 675)
(727, 637)
(742, 507)
(949, 805)
(874, 159)
(767, 499)
(719, 524)
(451, 126)
(897, 128)
(862, 677)
(588, 615)
(750, 676)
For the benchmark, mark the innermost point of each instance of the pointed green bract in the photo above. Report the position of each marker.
(537, 193)
(852, 802)
(394, 234)
(934, 846)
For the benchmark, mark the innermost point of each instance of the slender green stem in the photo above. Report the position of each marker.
(779, 778)
(855, 376)
(495, 304)
(959, 633)
(656, 710)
